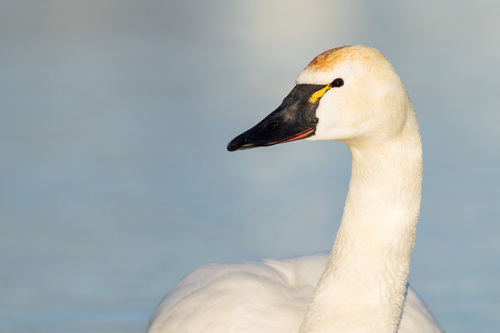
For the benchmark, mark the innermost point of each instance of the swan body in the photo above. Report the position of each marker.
(349, 94)
(258, 296)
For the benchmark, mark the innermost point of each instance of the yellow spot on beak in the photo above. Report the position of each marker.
(318, 94)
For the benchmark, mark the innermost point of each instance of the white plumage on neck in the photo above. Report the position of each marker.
(364, 284)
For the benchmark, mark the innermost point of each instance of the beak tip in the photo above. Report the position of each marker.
(235, 143)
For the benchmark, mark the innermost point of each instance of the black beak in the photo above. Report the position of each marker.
(294, 119)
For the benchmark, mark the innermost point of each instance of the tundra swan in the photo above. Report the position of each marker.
(349, 94)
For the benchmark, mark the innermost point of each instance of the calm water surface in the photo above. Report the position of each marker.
(114, 179)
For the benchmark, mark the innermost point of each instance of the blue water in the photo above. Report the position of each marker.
(114, 179)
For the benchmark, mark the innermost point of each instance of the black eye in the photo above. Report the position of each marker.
(337, 83)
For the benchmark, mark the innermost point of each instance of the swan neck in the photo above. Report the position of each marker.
(364, 283)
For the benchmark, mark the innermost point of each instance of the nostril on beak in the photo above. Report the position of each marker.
(272, 125)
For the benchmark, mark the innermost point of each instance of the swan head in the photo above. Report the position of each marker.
(350, 94)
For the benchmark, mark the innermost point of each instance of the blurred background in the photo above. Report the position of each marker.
(114, 175)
